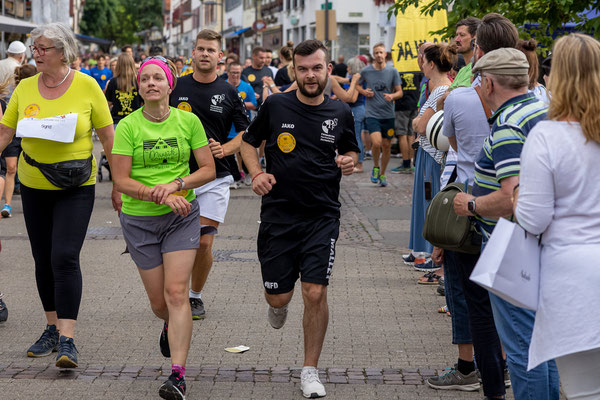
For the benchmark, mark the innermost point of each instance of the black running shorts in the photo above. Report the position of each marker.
(305, 249)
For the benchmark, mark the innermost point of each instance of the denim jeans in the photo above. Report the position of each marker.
(486, 343)
(359, 123)
(455, 299)
(515, 326)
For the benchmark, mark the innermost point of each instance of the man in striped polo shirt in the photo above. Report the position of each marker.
(504, 89)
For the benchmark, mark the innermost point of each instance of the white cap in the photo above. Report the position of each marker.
(16, 47)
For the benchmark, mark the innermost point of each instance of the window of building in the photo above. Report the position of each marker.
(231, 4)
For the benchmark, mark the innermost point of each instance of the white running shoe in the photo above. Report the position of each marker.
(277, 316)
(310, 384)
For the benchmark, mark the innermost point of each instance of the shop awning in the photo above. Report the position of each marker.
(237, 33)
(92, 39)
(14, 25)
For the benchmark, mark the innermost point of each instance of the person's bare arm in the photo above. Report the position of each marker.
(398, 93)
(293, 86)
(494, 205)
(440, 102)
(262, 182)
(6, 135)
(420, 125)
(452, 141)
(249, 105)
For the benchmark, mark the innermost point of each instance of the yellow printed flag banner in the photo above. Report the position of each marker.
(412, 29)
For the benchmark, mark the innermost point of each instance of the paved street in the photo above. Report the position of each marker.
(385, 335)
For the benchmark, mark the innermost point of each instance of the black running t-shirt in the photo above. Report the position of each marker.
(300, 151)
(218, 105)
(254, 77)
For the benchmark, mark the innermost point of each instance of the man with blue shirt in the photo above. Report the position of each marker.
(504, 82)
(234, 78)
(101, 73)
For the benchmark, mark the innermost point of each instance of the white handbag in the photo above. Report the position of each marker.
(509, 265)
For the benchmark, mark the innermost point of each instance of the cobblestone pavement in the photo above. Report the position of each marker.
(384, 338)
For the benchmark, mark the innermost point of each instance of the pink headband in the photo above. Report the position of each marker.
(161, 64)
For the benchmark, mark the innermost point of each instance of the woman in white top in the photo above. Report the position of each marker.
(559, 198)
(437, 61)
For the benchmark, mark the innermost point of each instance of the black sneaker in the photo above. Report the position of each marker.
(173, 388)
(46, 344)
(3, 310)
(163, 342)
(67, 353)
(197, 308)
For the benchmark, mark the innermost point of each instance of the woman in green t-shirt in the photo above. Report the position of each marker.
(160, 215)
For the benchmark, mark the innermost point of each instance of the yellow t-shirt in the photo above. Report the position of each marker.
(83, 97)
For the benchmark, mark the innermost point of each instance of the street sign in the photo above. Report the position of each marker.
(320, 25)
(259, 25)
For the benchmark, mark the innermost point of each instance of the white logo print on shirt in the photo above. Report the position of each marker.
(215, 100)
(327, 126)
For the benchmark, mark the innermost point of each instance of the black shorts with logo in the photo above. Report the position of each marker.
(305, 249)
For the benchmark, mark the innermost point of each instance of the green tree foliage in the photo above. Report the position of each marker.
(120, 20)
(550, 15)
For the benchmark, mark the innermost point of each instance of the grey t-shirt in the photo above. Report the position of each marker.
(464, 118)
(381, 81)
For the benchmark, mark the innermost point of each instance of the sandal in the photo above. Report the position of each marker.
(430, 278)
(444, 309)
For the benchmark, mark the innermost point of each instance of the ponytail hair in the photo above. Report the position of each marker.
(443, 55)
(286, 51)
(528, 48)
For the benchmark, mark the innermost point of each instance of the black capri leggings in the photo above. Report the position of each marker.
(57, 222)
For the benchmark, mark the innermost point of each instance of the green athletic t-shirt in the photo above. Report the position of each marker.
(160, 153)
(463, 78)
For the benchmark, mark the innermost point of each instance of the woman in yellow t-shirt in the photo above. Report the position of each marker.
(54, 112)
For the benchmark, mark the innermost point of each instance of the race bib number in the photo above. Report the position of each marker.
(58, 129)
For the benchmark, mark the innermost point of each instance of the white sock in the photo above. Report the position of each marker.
(195, 295)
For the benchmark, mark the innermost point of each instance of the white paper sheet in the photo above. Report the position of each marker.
(59, 129)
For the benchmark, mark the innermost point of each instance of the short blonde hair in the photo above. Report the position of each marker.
(62, 37)
(575, 83)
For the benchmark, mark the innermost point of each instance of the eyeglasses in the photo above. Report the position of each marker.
(40, 50)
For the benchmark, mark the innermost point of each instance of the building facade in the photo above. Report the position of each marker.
(271, 23)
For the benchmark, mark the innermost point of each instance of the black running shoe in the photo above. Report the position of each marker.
(173, 388)
(165, 350)
(67, 353)
(197, 306)
(3, 310)
(46, 344)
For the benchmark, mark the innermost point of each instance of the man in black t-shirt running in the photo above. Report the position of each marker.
(255, 73)
(218, 105)
(300, 214)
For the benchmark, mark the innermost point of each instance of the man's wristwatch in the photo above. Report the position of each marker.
(471, 206)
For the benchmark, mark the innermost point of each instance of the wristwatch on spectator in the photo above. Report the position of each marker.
(471, 205)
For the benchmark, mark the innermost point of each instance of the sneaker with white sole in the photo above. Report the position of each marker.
(453, 379)
(310, 384)
(277, 316)
(6, 211)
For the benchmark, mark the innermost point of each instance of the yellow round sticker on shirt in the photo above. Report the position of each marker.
(185, 106)
(390, 133)
(251, 77)
(103, 77)
(286, 142)
(243, 95)
(31, 110)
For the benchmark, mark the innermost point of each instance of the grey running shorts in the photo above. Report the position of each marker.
(148, 237)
